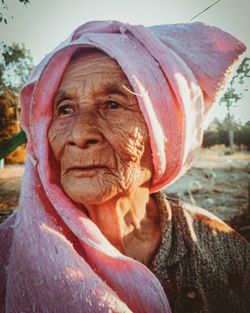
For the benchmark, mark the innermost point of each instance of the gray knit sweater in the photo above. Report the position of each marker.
(202, 263)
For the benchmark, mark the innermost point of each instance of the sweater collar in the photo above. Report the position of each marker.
(173, 247)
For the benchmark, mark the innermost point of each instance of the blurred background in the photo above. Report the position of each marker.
(219, 177)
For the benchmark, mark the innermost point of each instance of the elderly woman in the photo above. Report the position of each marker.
(112, 116)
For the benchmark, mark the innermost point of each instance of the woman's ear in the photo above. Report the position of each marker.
(208, 51)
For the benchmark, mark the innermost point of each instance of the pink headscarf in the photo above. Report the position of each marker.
(58, 260)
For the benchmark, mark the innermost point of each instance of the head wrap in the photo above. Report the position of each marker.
(59, 261)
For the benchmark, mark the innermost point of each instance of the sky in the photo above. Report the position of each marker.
(43, 24)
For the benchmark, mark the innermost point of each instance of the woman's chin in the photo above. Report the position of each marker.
(97, 189)
(87, 194)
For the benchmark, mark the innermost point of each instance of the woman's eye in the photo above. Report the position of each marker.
(112, 105)
(65, 109)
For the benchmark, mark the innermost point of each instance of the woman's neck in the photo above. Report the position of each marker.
(131, 223)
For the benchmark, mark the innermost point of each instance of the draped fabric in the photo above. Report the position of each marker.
(58, 260)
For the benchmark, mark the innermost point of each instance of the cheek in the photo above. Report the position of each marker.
(128, 138)
(130, 141)
(57, 136)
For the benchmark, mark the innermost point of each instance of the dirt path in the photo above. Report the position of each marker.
(216, 182)
(223, 192)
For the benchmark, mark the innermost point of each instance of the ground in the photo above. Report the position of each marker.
(217, 181)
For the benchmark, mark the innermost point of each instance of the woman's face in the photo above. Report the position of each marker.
(98, 134)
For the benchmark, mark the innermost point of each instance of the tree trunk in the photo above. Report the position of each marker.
(230, 131)
(231, 139)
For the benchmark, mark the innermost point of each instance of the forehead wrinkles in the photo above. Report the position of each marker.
(91, 65)
(94, 73)
(94, 65)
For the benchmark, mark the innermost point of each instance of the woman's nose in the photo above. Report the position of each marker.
(84, 133)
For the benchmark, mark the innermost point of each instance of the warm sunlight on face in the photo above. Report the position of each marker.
(98, 134)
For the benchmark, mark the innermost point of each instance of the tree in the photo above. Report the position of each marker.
(242, 135)
(4, 7)
(15, 66)
(9, 126)
(217, 133)
(8, 114)
(234, 94)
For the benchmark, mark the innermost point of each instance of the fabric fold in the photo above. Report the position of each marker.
(59, 260)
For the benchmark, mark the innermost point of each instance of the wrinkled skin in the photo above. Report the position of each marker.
(97, 123)
(100, 139)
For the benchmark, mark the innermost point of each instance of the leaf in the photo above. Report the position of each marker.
(11, 144)
(15, 66)
(25, 1)
(231, 96)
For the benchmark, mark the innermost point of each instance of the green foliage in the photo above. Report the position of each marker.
(242, 135)
(4, 8)
(9, 127)
(9, 114)
(217, 134)
(12, 144)
(233, 93)
(15, 66)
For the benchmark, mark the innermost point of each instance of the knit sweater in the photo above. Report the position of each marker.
(202, 263)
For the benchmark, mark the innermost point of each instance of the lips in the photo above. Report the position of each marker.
(86, 169)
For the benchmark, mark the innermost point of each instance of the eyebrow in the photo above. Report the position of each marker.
(117, 89)
(59, 96)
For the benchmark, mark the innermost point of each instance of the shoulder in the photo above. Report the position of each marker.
(210, 239)
(201, 256)
(201, 222)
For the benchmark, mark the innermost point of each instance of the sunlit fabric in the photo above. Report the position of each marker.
(58, 260)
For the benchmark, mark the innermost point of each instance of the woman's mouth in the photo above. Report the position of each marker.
(85, 171)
